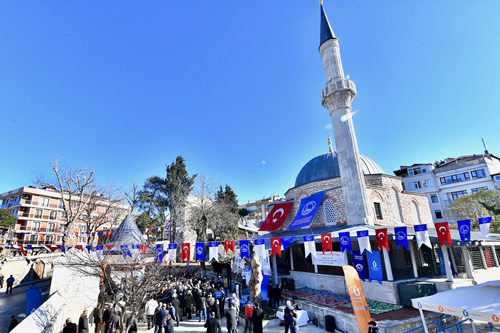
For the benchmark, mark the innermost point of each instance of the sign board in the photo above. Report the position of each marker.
(329, 259)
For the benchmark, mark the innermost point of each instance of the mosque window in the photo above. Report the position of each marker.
(438, 214)
(378, 211)
(434, 198)
(329, 210)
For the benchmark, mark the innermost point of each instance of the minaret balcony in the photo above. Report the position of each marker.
(338, 93)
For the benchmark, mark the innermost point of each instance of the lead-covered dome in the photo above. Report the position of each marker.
(326, 166)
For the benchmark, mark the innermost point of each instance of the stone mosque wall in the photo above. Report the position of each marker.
(397, 207)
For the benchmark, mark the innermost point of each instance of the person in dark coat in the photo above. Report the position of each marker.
(202, 307)
(106, 318)
(98, 322)
(132, 323)
(212, 324)
(276, 296)
(10, 283)
(164, 316)
(170, 325)
(158, 318)
(83, 323)
(257, 317)
(177, 305)
(231, 319)
(215, 309)
(270, 294)
(1, 280)
(182, 302)
(294, 325)
(13, 323)
(287, 315)
(171, 311)
(69, 327)
(372, 327)
(188, 304)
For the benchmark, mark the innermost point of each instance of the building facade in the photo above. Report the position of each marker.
(257, 211)
(445, 181)
(40, 217)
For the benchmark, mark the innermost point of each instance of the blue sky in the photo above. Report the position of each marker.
(124, 87)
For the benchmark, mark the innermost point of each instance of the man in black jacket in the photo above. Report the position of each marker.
(70, 327)
(212, 324)
(106, 317)
(98, 322)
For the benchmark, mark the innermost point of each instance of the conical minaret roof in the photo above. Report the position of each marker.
(326, 31)
(126, 234)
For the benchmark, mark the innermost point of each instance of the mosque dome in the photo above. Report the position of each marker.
(326, 166)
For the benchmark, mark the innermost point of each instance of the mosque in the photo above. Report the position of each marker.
(358, 196)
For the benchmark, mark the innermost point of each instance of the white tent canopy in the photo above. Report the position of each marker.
(480, 302)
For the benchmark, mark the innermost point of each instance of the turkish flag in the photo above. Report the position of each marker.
(382, 240)
(79, 247)
(229, 245)
(443, 231)
(22, 250)
(276, 246)
(143, 247)
(276, 217)
(326, 240)
(186, 252)
(110, 233)
(109, 247)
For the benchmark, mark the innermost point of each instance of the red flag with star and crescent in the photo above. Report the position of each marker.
(229, 245)
(382, 240)
(326, 240)
(276, 246)
(443, 231)
(186, 251)
(276, 216)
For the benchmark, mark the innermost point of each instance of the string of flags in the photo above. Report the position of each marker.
(278, 244)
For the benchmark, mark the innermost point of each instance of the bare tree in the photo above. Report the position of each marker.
(132, 197)
(128, 282)
(201, 209)
(80, 194)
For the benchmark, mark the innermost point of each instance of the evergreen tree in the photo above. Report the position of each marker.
(178, 185)
(6, 218)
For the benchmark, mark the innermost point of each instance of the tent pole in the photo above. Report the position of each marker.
(423, 320)
(472, 325)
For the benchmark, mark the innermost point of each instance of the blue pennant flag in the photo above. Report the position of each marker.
(159, 252)
(62, 248)
(286, 241)
(99, 234)
(30, 247)
(125, 251)
(358, 261)
(307, 210)
(401, 235)
(374, 266)
(244, 249)
(345, 241)
(464, 230)
(89, 248)
(200, 252)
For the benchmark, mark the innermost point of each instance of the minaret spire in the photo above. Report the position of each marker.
(337, 98)
(326, 31)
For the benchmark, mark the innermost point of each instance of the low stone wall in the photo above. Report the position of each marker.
(386, 292)
(25, 269)
(48, 318)
(347, 321)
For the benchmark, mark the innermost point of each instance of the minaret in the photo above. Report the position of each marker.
(337, 97)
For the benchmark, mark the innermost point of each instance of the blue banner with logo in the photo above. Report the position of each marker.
(200, 252)
(401, 235)
(159, 253)
(464, 230)
(244, 249)
(374, 266)
(62, 248)
(125, 251)
(286, 241)
(307, 209)
(345, 241)
(358, 261)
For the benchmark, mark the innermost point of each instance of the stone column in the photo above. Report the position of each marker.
(388, 267)
(447, 265)
(291, 258)
(483, 258)
(468, 263)
(413, 257)
(275, 270)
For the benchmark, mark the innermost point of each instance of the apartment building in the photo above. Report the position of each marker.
(447, 180)
(40, 217)
(258, 210)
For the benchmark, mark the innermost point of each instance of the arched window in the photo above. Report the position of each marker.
(395, 206)
(415, 213)
(329, 211)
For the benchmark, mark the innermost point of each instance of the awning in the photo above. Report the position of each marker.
(480, 302)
